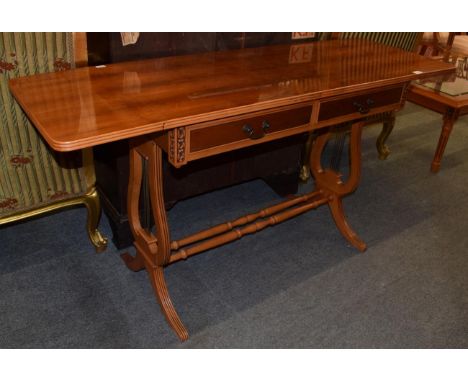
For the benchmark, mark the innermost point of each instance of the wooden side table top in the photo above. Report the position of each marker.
(451, 90)
(89, 106)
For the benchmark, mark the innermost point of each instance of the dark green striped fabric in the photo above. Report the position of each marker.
(403, 40)
(31, 174)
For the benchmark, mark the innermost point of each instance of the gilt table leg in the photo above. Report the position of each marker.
(450, 117)
(329, 181)
(304, 174)
(152, 250)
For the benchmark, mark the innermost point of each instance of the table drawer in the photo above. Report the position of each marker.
(248, 131)
(187, 143)
(351, 107)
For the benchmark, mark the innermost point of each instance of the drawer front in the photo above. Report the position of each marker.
(249, 131)
(356, 105)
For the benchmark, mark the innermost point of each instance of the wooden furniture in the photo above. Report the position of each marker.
(35, 180)
(196, 106)
(435, 44)
(447, 96)
(408, 41)
(278, 163)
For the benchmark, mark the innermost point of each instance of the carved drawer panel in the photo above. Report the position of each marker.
(353, 107)
(201, 140)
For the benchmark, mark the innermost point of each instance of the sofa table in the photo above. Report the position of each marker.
(195, 106)
(447, 96)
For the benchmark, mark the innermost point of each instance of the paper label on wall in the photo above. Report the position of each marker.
(301, 35)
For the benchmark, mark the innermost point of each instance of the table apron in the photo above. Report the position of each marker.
(191, 142)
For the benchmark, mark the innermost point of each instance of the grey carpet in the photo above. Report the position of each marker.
(298, 284)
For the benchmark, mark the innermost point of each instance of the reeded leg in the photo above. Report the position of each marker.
(152, 250)
(336, 208)
(450, 118)
(159, 285)
(134, 263)
(329, 181)
(388, 124)
(93, 205)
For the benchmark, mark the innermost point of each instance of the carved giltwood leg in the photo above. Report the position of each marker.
(93, 205)
(152, 250)
(330, 183)
(450, 117)
(388, 124)
(304, 174)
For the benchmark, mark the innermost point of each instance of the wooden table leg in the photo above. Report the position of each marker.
(152, 250)
(450, 117)
(388, 124)
(329, 181)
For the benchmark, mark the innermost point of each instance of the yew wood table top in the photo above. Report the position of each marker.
(85, 107)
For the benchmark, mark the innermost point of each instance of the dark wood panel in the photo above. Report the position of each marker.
(106, 47)
(277, 163)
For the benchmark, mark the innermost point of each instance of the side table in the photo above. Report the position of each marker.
(448, 97)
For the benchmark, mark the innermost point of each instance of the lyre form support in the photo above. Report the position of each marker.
(155, 250)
